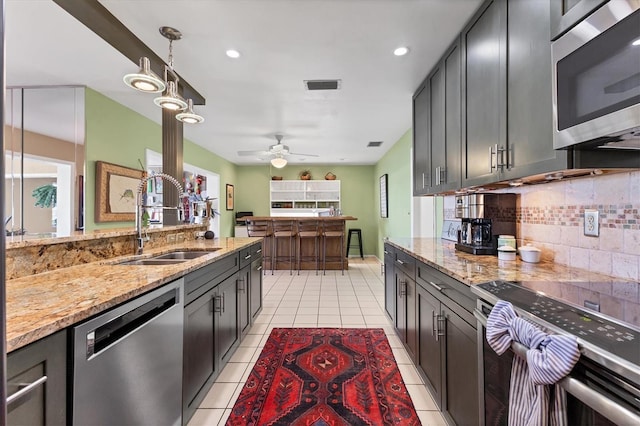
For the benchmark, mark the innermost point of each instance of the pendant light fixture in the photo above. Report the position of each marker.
(279, 162)
(170, 99)
(145, 80)
(189, 116)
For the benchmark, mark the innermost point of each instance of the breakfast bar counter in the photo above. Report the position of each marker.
(307, 243)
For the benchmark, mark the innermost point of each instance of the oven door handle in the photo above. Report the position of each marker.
(482, 318)
(601, 404)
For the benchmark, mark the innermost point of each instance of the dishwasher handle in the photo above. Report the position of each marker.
(119, 327)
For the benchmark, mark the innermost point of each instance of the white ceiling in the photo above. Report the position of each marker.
(250, 99)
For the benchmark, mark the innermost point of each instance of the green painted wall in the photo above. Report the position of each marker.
(357, 194)
(397, 165)
(119, 135)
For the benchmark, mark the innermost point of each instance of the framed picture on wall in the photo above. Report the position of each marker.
(384, 202)
(116, 192)
(230, 196)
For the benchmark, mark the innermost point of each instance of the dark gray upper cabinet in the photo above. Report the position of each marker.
(529, 125)
(565, 14)
(437, 127)
(484, 97)
(421, 146)
(450, 176)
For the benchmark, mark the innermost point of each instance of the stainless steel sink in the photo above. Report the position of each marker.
(184, 255)
(156, 262)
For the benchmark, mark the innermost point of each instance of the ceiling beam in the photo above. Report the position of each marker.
(99, 20)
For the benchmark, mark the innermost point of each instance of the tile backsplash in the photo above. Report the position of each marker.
(551, 216)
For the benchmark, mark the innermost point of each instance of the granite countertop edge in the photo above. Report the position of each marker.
(473, 269)
(42, 304)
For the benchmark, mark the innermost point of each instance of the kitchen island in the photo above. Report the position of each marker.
(310, 251)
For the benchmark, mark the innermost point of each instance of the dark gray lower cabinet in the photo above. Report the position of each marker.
(221, 301)
(389, 282)
(244, 296)
(255, 286)
(227, 330)
(430, 360)
(434, 319)
(461, 346)
(42, 368)
(200, 364)
(211, 328)
(406, 312)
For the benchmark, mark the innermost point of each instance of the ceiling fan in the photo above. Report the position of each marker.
(274, 151)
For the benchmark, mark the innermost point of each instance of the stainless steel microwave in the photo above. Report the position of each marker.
(596, 80)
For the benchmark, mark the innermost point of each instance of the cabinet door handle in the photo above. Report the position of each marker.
(491, 159)
(259, 251)
(247, 257)
(259, 268)
(438, 176)
(400, 261)
(441, 321)
(386, 252)
(423, 185)
(217, 304)
(222, 304)
(434, 324)
(436, 286)
(28, 387)
(241, 287)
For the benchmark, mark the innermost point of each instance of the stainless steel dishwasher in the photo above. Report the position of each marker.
(128, 362)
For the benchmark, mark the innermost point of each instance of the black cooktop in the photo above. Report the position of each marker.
(589, 326)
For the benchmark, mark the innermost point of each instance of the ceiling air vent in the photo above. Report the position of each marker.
(374, 144)
(322, 84)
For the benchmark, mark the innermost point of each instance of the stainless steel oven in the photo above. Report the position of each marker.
(602, 389)
(596, 80)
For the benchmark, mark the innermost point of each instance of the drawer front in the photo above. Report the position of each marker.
(444, 287)
(198, 282)
(256, 250)
(246, 256)
(406, 264)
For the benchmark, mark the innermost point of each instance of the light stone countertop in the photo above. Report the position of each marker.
(39, 305)
(618, 298)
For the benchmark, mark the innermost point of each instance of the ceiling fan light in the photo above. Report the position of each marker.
(189, 116)
(278, 162)
(171, 100)
(144, 80)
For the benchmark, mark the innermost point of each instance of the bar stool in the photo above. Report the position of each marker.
(283, 229)
(357, 232)
(262, 228)
(308, 228)
(332, 229)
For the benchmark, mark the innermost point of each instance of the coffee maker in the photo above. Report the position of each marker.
(484, 217)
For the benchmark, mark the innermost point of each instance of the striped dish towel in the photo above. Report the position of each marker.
(533, 398)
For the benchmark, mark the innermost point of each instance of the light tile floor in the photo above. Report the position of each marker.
(355, 300)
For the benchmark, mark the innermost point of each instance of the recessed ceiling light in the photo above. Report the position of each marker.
(401, 51)
(232, 53)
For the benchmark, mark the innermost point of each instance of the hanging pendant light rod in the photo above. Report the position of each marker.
(99, 20)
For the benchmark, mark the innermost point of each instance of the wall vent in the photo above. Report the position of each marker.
(322, 84)
(374, 144)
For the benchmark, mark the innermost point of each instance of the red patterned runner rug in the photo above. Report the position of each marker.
(322, 377)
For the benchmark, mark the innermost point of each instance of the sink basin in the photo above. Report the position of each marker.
(156, 262)
(183, 255)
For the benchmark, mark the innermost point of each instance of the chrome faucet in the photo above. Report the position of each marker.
(140, 208)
